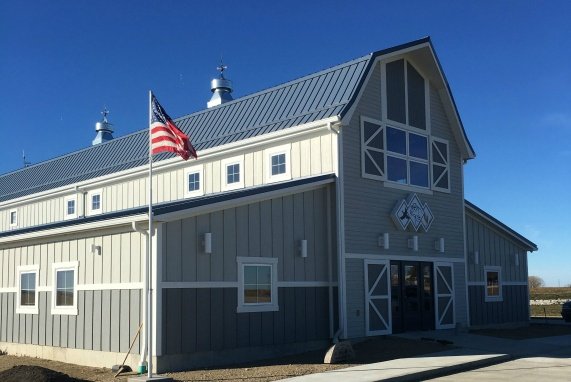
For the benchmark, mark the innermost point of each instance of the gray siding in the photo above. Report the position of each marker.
(355, 276)
(204, 320)
(494, 249)
(513, 308)
(272, 228)
(107, 321)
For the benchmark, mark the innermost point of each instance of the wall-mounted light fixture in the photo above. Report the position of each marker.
(95, 249)
(383, 240)
(439, 245)
(476, 257)
(303, 248)
(207, 242)
(413, 243)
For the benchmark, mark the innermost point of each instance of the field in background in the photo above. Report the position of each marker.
(551, 299)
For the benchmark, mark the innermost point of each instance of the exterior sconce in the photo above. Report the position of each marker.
(207, 242)
(413, 243)
(439, 245)
(383, 240)
(303, 248)
(95, 249)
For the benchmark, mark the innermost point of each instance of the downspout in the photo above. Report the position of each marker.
(339, 186)
(80, 191)
(143, 337)
(329, 262)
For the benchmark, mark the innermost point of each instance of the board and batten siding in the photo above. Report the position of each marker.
(311, 154)
(108, 316)
(368, 205)
(205, 319)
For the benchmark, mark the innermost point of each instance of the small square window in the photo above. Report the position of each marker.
(257, 284)
(70, 207)
(95, 202)
(27, 299)
(64, 299)
(493, 284)
(233, 173)
(193, 181)
(278, 164)
(13, 218)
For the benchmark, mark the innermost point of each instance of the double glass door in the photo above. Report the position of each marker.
(412, 296)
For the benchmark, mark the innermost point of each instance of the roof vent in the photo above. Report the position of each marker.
(103, 129)
(221, 88)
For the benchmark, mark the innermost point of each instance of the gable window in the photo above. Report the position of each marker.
(64, 295)
(232, 176)
(13, 218)
(95, 202)
(257, 284)
(277, 163)
(406, 94)
(70, 210)
(440, 165)
(194, 181)
(27, 290)
(407, 157)
(70, 207)
(493, 284)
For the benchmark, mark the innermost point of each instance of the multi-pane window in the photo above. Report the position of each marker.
(95, 202)
(233, 173)
(406, 94)
(257, 284)
(278, 164)
(407, 157)
(28, 289)
(70, 207)
(193, 181)
(64, 287)
(493, 284)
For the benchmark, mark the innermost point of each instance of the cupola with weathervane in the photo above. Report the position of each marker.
(104, 130)
(221, 88)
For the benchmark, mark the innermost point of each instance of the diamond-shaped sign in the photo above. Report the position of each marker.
(412, 211)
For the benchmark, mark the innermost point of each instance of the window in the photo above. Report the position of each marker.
(95, 202)
(493, 284)
(70, 207)
(64, 298)
(406, 94)
(27, 289)
(232, 173)
(440, 165)
(13, 218)
(194, 181)
(277, 163)
(407, 157)
(257, 284)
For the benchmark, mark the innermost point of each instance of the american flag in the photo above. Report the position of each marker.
(165, 136)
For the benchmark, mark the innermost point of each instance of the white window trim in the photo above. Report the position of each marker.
(267, 307)
(224, 173)
(436, 139)
(13, 224)
(500, 284)
(194, 170)
(268, 154)
(64, 310)
(27, 309)
(90, 196)
(65, 200)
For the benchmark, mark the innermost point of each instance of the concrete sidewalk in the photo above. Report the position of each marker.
(474, 351)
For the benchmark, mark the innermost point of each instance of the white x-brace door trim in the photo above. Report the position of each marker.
(386, 317)
(448, 285)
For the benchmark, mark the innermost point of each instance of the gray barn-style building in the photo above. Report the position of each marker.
(331, 206)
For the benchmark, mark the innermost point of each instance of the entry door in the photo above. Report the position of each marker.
(444, 312)
(377, 307)
(412, 314)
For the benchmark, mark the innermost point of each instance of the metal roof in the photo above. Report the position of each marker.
(311, 98)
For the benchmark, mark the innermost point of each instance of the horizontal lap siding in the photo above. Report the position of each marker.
(202, 320)
(513, 308)
(106, 321)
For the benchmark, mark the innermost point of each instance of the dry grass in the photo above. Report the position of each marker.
(545, 310)
(547, 293)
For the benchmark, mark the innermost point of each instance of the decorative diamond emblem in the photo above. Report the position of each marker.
(412, 211)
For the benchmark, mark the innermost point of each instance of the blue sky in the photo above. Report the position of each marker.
(507, 62)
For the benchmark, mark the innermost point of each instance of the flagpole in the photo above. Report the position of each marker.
(150, 251)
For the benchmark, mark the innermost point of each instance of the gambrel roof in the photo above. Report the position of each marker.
(325, 94)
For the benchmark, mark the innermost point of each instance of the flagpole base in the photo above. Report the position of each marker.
(145, 378)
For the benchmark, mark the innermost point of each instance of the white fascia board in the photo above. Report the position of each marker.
(205, 156)
(74, 229)
(183, 214)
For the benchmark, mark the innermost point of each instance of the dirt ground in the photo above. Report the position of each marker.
(531, 331)
(372, 350)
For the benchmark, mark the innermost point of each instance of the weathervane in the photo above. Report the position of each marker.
(221, 68)
(104, 113)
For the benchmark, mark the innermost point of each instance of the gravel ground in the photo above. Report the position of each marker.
(372, 350)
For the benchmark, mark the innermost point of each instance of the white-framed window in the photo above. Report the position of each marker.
(493, 279)
(64, 293)
(194, 181)
(13, 217)
(70, 207)
(232, 173)
(95, 202)
(257, 284)
(407, 157)
(277, 165)
(27, 302)
(440, 164)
